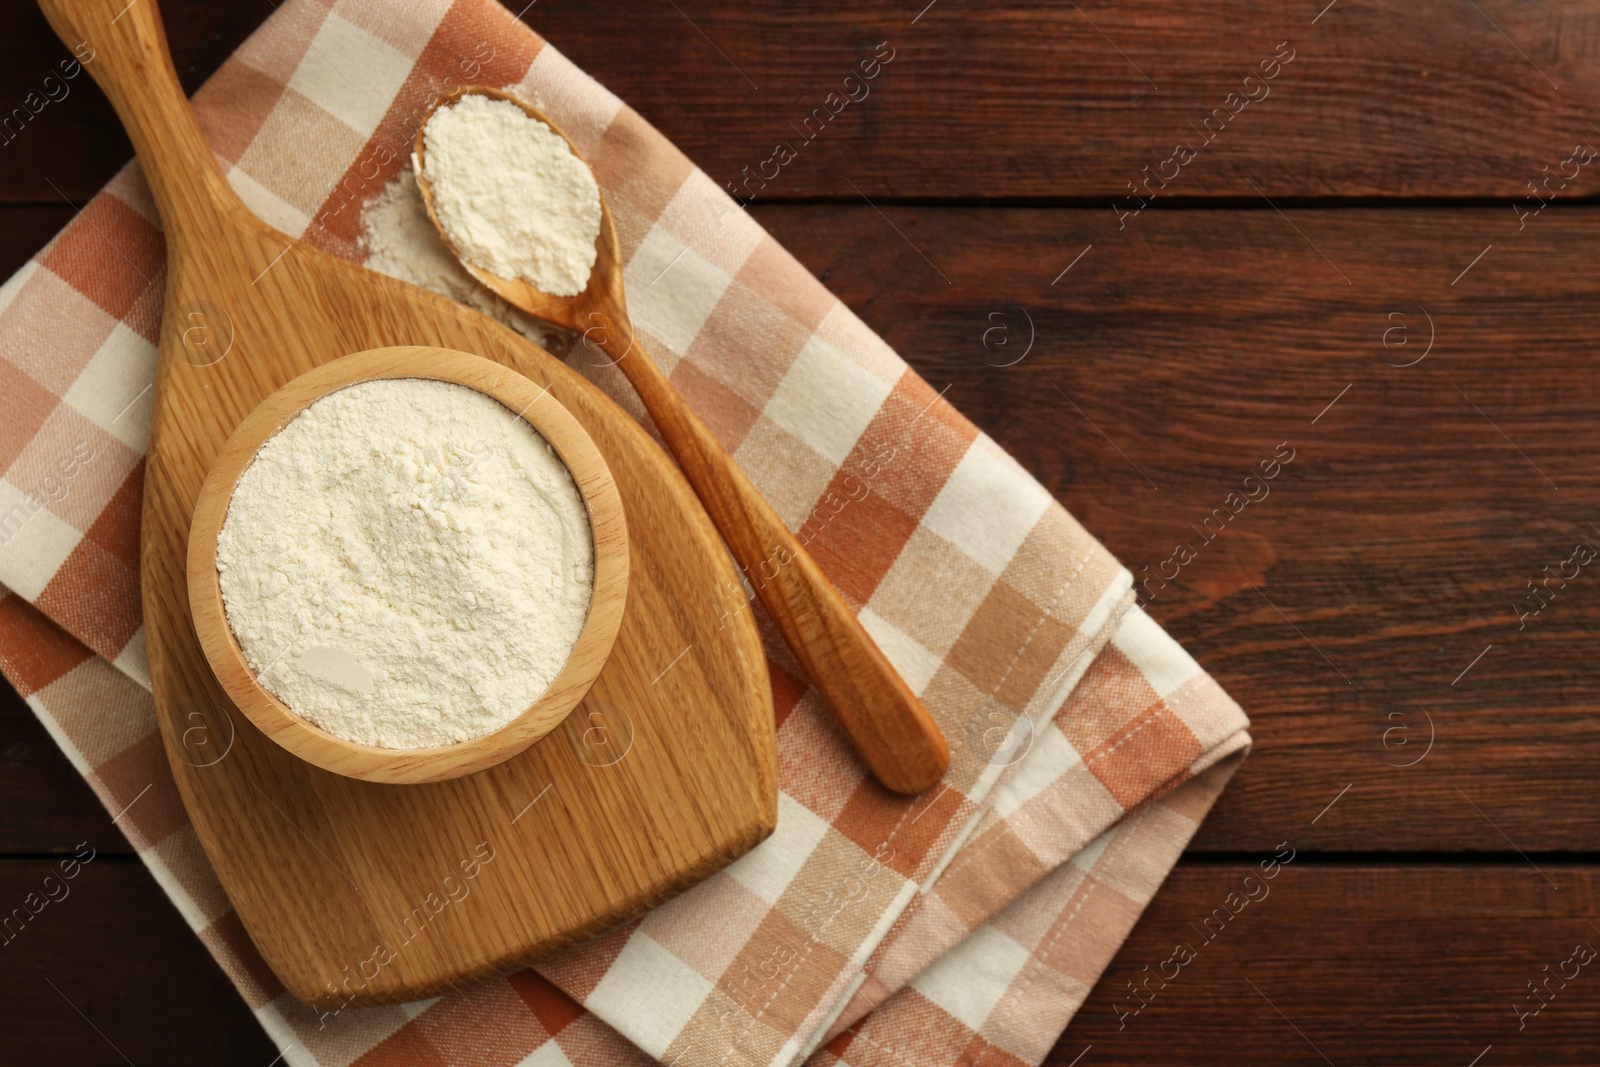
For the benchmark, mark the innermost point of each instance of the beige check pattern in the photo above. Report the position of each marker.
(966, 925)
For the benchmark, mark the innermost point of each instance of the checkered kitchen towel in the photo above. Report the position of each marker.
(969, 922)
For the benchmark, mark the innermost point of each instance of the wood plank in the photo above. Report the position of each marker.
(1371, 965)
(1018, 99)
(1388, 554)
(1443, 953)
(108, 972)
(65, 140)
(48, 805)
(1433, 98)
(25, 230)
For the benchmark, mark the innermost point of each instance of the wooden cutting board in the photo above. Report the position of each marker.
(359, 893)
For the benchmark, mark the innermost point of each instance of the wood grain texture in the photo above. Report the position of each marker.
(1351, 965)
(696, 789)
(1390, 551)
(48, 806)
(70, 143)
(1378, 965)
(607, 526)
(885, 721)
(25, 230)
(1017, 99)
(1029, 99)
(111, 974)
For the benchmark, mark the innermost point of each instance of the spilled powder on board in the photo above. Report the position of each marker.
(400, 241)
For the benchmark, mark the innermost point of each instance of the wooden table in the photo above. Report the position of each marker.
(1353, 264)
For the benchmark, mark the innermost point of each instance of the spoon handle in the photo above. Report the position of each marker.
(887, 724)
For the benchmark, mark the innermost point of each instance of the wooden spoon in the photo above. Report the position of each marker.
(888, 725)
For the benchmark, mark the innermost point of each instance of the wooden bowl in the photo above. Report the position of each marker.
(607, 525)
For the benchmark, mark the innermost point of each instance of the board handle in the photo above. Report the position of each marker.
(124, 48)
(887, 725)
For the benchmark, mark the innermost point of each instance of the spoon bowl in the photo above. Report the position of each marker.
(600, 302)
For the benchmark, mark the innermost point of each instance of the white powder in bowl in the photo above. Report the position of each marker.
(511, 195)
(406, 564)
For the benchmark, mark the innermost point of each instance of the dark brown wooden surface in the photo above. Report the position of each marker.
(1029, 99)
(1395, 543)
(1351, 964)
(1192, 339)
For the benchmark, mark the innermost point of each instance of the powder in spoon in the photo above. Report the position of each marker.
(511, 195)
(406, 564)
